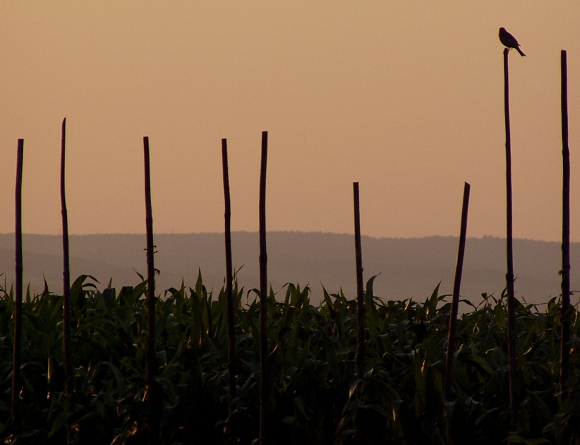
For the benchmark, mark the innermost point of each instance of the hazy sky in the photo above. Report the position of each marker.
(405, 97)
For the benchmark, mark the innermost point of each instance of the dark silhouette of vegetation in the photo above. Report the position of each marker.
(312, 368)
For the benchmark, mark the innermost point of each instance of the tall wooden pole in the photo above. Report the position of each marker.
(264, 381)
(151, 368)
(564, 433)
(566, 308)
(16, 376)
(66, 309)
(511, 321)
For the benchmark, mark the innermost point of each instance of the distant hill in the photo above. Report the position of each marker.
(409, 267)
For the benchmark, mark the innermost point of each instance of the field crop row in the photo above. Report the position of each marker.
(315, 397)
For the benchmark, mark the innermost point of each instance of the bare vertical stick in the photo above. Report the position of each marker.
(66, 309)
(229, 277)
(66, 271)
(152, 393)
(511, 322)
(566, 309)
(455, 297)
(16, 378)
(361, 346)
(264, 389)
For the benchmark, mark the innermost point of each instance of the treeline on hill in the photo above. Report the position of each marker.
(314, 395)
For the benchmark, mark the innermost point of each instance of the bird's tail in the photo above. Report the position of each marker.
(521, 52)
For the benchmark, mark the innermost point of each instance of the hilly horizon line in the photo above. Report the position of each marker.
(482, 237)
(405, 267)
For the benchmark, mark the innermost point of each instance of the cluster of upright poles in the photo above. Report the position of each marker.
(566, 308)
(565, 271)
(153, 394)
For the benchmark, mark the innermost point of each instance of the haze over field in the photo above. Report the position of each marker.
(406, 267)
(403, 97)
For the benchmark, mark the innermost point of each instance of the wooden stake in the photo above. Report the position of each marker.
(511, 322)
(16, 375)
(455, 296)
(264, 381)
(229, 278)
(66, 309)
(566, 308)
(361, 345)
(151, 368)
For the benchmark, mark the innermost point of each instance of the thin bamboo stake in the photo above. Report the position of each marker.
(66, 309)
(16, 377)
(455, 297)
(361, 346)
(564, 433)
(151, 368)
(566, 308)
(511, 322)
(264, 381)
(229, 278)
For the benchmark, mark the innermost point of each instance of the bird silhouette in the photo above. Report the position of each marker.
(510, 41)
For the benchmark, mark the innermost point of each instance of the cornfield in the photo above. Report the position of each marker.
(315, 396)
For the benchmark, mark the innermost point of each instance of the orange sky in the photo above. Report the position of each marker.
(404, 97)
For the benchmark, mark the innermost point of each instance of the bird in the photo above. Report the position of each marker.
(510, 41)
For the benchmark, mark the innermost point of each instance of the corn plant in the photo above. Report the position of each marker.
(315, 394)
